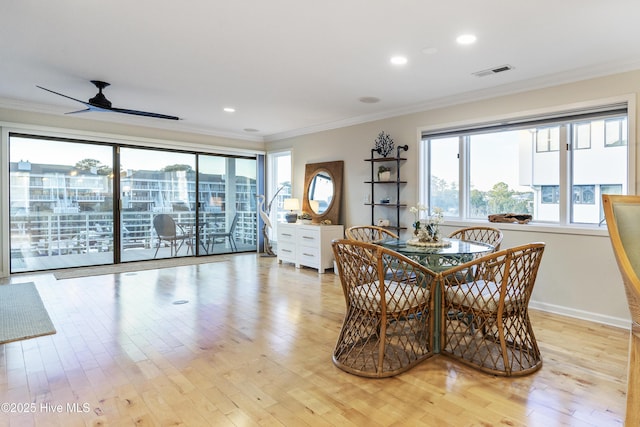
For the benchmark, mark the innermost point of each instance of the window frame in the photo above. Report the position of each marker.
(594, 107)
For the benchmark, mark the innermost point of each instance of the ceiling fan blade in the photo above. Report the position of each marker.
(144, 113)
(86, 110)
(103, 104)
(66, 96)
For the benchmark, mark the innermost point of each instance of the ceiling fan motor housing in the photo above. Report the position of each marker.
(100, 100)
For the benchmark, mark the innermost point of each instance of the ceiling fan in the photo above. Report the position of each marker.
(101, 103)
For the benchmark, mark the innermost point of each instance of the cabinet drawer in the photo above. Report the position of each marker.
(308, 256)
(286, 251)
(309, 237)
(286, 235)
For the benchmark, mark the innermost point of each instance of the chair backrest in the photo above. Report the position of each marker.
(369, 233)
(164, 225)
(623, 221)
(513, 271)
(490, 235)
(234, 223)
(364, 263)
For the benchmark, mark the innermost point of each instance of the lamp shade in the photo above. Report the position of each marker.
(291, 204)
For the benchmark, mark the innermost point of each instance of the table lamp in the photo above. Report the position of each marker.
(291, 205)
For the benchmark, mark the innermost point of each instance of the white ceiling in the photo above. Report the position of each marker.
(294, 66)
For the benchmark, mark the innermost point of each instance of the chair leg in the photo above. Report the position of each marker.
(157, 248)
(632, 417)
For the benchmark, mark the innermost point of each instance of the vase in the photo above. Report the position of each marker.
(384, 176)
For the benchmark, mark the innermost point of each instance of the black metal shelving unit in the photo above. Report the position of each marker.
(377, 184)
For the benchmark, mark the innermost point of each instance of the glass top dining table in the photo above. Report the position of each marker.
(453, 252)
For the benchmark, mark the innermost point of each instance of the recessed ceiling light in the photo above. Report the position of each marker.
(369, 99)
(466, 39)
(399, 60)
(229, 109)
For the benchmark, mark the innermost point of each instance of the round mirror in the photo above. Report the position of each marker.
(320, 192)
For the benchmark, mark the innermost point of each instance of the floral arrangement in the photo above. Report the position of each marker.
(427, 229)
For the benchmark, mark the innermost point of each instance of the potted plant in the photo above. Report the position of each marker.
(305, 218)
(384, 173)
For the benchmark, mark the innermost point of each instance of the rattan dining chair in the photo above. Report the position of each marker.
(485, 312)
(387, 328)
(623, 221)
(490, 235)
(369, 233)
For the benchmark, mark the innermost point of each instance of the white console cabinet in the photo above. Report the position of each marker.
(308, 245)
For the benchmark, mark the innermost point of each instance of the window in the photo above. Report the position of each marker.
(581, 135)
(444, 174)
(547, 139)
(615, 132)
(278, 187)
(553, 168)
(584, 194)
(550, 194)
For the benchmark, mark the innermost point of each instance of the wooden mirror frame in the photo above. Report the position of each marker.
(334, 170)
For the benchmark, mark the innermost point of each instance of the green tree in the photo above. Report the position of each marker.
(174, 168)
(92, 165)
(444, 195)
(502, 199)
(479, 204)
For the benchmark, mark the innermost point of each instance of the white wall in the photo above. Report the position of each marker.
(578, 276)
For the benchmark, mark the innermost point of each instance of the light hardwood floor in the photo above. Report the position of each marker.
(252, 346)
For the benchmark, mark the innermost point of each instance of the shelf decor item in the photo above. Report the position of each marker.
(305, 218)
(384, 173)
(291, 205)
(384, 144)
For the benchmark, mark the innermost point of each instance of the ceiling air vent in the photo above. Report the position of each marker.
(494, 70)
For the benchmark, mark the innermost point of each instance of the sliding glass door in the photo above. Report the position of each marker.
(61, 204)
(69, 209)
(228, 213)
(157, 191)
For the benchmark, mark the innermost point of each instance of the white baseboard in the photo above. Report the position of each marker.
(584, 315)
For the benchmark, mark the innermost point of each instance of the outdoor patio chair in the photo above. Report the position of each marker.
(222, 235)
(168, 231)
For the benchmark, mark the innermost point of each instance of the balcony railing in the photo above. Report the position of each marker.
(50, 234)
